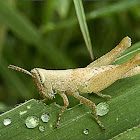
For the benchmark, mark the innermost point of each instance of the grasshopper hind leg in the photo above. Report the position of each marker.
(111, 56)
(108, 77)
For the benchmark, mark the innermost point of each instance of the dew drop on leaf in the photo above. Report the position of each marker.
(102, 109)
(7, 121)
(45, 117)
(22, 112)
(29, 106)
(41, 128)
(31, 121)
(86, 131)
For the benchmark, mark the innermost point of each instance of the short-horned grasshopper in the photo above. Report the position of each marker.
(97, 76)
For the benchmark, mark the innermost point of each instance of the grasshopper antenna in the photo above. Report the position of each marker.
(20, 69)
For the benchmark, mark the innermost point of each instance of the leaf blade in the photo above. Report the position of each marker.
(83, 25)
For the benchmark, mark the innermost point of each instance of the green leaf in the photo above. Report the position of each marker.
(83, 25)
(123, 115)
(132, 133)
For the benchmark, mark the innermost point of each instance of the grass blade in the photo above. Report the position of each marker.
(83, 25)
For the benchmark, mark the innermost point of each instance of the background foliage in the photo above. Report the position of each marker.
(47, 34)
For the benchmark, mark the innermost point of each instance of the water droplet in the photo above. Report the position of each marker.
(102, 109)
(7, 121)
(22, 112)
(29, 106)
(45, 117)
(86, 131)
(31, 121)
(41, 128)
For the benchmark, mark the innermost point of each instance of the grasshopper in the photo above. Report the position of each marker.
(97, 76)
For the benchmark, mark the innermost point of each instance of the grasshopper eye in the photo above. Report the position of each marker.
(41, 77)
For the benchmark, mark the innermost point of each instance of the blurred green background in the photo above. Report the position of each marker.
(46, 34)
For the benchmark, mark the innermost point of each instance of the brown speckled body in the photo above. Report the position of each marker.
(66, 81)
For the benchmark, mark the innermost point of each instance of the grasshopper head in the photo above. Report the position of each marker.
(39, 80)
(42, 83)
